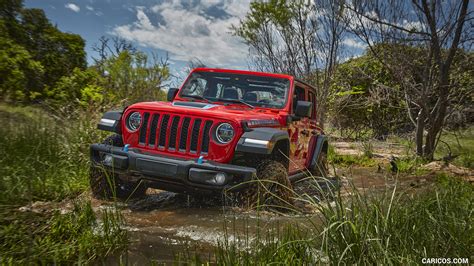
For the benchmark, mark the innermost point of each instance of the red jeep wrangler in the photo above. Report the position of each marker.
(219, 131)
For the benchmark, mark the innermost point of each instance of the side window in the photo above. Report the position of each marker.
(299, 96)
(312, 98)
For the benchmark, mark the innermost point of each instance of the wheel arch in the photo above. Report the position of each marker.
(322, 145)
(281, 152)
(266, 143)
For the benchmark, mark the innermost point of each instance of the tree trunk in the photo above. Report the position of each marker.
(420, 128)
(322, 115)
(437, 125)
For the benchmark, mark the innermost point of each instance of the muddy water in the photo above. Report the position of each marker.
(164, 224)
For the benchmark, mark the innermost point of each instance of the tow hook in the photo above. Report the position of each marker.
(125, 148)
(200, 160)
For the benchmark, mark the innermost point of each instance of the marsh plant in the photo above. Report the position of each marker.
(44, 158)
(368, 149)
(397, 226)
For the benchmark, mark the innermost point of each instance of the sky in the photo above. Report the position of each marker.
(182, 30)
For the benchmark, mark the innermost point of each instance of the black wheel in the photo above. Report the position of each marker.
(271, 187)
(321, 169)
(107, 185)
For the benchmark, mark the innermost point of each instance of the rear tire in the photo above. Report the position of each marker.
(107, 185)
(271, 187)
(321, 169)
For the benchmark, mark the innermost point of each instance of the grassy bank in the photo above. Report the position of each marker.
(44, 157)
(392, 228)
(460, 144)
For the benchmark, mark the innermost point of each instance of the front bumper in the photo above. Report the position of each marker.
(169, 173)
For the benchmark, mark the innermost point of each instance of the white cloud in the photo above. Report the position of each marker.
(352, 43)
(413, 25)
(94, 11)
(72, 7)
(186, 32)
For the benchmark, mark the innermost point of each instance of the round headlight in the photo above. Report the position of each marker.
(134, 121)
(224, 133)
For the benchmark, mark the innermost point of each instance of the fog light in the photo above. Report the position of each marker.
(220, 178)
(108, 160)
(209, 177)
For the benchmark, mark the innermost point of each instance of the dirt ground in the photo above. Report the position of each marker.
(163, 223)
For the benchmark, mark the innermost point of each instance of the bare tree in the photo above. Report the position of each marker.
(281, 36)
(438, 29)
(329, 17)
(107, 48)
(300, 38)
(195, 63)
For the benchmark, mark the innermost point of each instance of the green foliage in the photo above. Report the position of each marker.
(460, 144)
(83, 86)
(120, 80)
(57, 51)
(278, 12)
(133, 77)
(35, 54)
(40, 63)
(411, 165)
(368, 149)
(365, 95)
(349, 159)
(17, 71)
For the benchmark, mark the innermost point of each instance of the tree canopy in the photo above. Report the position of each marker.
(35, 54)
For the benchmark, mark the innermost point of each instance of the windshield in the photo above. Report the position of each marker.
(236, 88)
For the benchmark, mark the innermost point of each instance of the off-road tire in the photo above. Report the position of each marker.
(107, 185)
(321, 169)
(270, 188)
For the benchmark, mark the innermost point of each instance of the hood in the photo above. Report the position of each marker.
(235, 112)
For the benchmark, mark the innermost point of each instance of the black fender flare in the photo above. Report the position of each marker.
(111, 121)
(320, 142)
(261, 140)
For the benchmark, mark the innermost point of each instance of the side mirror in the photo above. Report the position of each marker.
(171, 94)
(303, 109)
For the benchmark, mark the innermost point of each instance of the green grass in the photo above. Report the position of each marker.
(349, 159)
(44, 157)
(394, 227)
(411, 165)
(461, 143)
(50, 238)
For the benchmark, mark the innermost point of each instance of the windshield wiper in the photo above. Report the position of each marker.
(235, 101)
(199, 97)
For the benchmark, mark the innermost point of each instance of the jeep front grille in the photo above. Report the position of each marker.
(175, 133)
(143, 130)
(195, 134)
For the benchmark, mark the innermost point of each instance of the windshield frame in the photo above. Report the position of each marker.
(284, 106)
